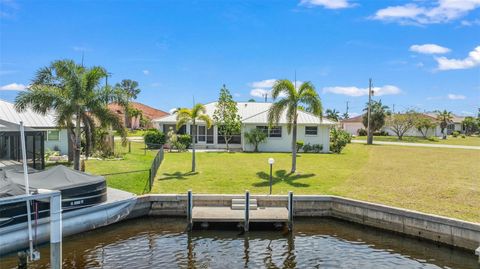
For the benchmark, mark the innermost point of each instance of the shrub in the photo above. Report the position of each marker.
(463, 136)
(455, 133)
(362, 132)
(338, 140)
(433, 139)
(299, 145)
(185, 140)
(154, 139)
(317, 148)
(380, 133)
(255, 137)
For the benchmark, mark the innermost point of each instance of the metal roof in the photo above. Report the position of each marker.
(29, 117)
(257, 113)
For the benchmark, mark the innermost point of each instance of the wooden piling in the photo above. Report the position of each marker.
(189, 209)
(290, 210)
(247, 211)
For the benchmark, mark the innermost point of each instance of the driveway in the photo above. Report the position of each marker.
(418, 144)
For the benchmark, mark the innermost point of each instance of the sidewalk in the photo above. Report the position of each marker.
(417, 144)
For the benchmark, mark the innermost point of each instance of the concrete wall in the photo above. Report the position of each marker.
(436, 228)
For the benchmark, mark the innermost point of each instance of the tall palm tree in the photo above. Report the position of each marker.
(444, 117)
(305, 96)
(129, 89)
(185, 115)
(73, 93)
(332, 114)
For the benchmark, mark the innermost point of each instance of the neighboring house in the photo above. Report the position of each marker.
(43, 133)
(148, 112)
(455, 125)
(353, 125)
(254, 115)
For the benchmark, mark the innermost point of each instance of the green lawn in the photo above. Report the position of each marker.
(126, 179)
(131, 133)
(434, 180)
(467, 141)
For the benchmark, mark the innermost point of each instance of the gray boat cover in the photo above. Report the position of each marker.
(56, 178)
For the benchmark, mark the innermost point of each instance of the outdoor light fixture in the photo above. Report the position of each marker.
(271, 161)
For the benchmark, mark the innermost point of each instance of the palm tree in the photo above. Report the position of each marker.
(444, 117)
(129, 88)
(73, 93)
(185, 115)
(332, 114)
(305, 96)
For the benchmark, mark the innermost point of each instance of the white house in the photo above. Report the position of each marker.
(311, 129)
(54, 138)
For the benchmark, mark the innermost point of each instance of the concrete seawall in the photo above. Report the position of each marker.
(444, 230)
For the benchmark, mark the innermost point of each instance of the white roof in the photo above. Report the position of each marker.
(255, 113)
(29, 117)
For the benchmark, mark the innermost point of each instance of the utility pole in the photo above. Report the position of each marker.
(369, 112)
(265, 95)
(346, 113)
(393, 109)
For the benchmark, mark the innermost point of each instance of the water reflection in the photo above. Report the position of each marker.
(162, 243)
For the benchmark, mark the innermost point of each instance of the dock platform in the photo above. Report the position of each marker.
(242, 211)
(226, 214)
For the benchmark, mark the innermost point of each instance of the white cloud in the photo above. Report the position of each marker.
(146, 72)
(267, 83)
(355, 91)
(470, 23)
(452, 96)
(440, 12)
(429, 49)
(329, 4)
(472, 60)
(13, 87)
(260, 93)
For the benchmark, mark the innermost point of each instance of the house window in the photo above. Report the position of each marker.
(311, 130)
(275, 131)
(263, 129)
(53, 135)
(272, 132)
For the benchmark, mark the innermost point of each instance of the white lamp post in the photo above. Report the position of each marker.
(271, 161)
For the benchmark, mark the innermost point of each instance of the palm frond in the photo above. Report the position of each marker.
(206, 119)
(284, 86)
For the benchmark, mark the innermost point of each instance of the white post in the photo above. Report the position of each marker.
(56, 231)
(27, 188)
(247, 211)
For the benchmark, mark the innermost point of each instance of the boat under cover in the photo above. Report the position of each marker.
(78, 190)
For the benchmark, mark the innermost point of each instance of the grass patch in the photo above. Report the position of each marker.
(433, 180)
(467, 141)
(126, 174)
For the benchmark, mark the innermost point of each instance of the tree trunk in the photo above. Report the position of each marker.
(193, 146)
(76, 161)
(256, 148)
(294, 146)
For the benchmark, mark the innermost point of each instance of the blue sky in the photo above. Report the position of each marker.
(420, 54)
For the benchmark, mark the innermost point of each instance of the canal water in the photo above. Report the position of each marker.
(314, 243)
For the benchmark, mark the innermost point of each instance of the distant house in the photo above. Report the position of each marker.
(311, 129)
(148, 112)
(42, 134)
(353, 125)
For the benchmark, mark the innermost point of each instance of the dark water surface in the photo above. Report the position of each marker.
(315, 243)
